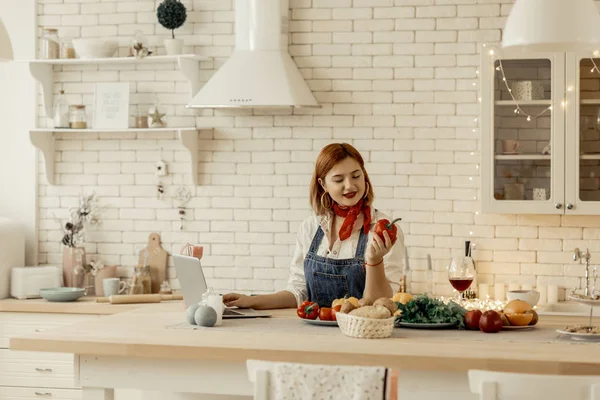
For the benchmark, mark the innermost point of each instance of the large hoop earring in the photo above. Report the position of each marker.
(329, 201)
(367, 191)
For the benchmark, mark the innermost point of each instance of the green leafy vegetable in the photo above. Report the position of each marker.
(427, 310)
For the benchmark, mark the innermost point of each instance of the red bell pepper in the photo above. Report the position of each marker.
(385, 225)
(308, 310)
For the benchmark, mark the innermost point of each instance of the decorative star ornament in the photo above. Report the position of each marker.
(156, 119)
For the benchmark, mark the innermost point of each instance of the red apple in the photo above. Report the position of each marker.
(472, 318)
(490, 322)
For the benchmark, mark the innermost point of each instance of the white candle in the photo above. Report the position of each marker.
(216, 301)
(499, 291)
(552, 294)
(543, 294)
(527, 286)
(513, 286)
(406, 260)
(484, 291)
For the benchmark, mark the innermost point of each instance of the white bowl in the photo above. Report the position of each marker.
(529, 296)
(95, 48)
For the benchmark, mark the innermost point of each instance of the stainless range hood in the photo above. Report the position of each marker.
(260, 72)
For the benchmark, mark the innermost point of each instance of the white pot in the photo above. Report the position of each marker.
(173, 46)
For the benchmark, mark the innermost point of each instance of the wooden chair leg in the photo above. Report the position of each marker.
(595, 392)
(488, 391)
(261, 385)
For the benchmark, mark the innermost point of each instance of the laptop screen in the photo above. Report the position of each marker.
(191, 278)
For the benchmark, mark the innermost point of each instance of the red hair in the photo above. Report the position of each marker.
(329, 156)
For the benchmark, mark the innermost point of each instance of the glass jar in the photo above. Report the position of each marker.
(136, 282)
(77, 118)
(141, 119)
(49, 44)
(61, 111)
(78, 274)
(146, 280)
(66, 48)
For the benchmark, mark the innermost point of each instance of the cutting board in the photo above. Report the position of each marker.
(157, 260)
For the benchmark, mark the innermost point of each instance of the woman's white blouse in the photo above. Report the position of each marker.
(393, 260)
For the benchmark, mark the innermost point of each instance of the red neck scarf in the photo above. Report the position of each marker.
(350, 214)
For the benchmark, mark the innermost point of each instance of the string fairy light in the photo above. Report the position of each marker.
(518, 110)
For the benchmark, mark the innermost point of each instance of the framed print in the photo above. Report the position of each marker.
(111, 105)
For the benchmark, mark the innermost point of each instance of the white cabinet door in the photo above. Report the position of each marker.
(21, 393)
(36, 369)
(522, 113)
(14, 324)
(583, 134)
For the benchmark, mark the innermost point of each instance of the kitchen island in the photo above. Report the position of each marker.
(153, 349)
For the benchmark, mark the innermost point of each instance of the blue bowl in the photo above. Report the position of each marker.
(62, 294)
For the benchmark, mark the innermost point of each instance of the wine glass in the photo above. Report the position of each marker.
(461, 272)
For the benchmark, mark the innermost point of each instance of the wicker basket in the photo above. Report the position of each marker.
(365, 328)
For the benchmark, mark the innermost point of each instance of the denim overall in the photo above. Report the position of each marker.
(328, 279)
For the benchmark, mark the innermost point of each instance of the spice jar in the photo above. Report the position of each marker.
(77, 118)
(165, 288)
(49, 44)
(66, 48)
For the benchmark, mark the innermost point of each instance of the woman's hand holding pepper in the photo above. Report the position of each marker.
(378, 248)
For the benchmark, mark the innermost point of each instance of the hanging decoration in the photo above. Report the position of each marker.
(182, 196)
(161, 171)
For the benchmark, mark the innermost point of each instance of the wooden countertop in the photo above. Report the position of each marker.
(84, 305)
(144, 332)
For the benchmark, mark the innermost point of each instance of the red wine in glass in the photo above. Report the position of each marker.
(461, 284)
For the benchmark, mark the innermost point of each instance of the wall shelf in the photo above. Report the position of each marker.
(43, 139)
(590, 156)
(510, 157)
(41, 70)
(590, 102)
(509, 103)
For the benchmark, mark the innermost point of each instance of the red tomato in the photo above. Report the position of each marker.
(325, 314)
(334, 310)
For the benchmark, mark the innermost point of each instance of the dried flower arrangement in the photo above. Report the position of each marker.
(86, 214)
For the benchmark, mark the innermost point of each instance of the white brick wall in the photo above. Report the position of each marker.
(394, 78)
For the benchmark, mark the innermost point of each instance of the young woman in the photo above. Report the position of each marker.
(337, 252)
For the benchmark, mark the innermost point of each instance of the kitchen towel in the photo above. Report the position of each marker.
(291, 381)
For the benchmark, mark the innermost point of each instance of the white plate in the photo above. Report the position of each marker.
(319, 322)
(587, 302)
(580, 335)
(413, 325)
(518, 328)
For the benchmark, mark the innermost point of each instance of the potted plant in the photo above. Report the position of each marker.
(172, 15)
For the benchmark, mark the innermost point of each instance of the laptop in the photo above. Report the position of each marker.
(193, 285)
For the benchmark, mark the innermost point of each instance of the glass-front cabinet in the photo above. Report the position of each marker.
(583, 134)
(523, 132)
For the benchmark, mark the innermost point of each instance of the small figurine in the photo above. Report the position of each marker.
(547, 149)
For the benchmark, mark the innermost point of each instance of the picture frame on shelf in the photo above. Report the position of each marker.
(111, 105)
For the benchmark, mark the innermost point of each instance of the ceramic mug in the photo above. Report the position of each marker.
(510, 146)
(113, 286)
